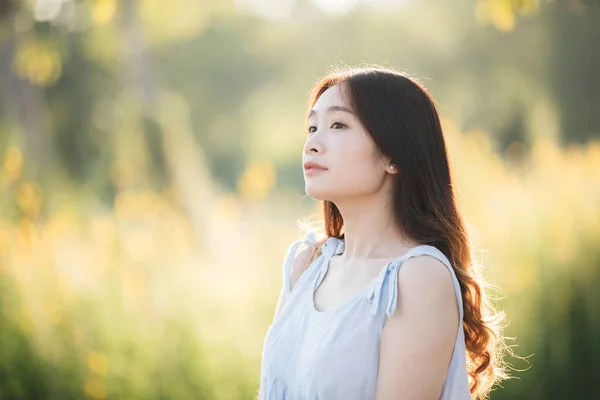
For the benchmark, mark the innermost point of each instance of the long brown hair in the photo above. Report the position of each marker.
(401, 117)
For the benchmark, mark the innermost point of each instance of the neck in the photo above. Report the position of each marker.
(371, 230)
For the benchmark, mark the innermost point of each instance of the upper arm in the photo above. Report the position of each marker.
(297, 268)
(418, 338)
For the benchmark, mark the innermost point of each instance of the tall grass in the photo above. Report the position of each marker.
(168, 294)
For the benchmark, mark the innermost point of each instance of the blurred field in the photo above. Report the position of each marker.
(123, 303)
(151, 182)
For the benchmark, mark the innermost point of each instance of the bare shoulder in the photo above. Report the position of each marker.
(425, 273)
(298, 266)
(300, 263)
(418, 338)
(425, 288)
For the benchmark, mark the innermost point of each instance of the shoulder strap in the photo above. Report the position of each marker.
(391, 279)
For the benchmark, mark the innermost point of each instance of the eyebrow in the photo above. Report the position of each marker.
(333, 108)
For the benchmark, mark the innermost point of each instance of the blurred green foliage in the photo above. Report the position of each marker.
(150, 179)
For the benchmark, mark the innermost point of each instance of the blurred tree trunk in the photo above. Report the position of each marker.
(575, 66)
(137, 68)
(167, 116)
(26, 102)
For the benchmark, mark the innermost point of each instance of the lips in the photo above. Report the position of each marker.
(312, 166)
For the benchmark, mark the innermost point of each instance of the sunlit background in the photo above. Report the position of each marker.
(151, 181)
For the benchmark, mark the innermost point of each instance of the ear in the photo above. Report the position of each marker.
(390, 167)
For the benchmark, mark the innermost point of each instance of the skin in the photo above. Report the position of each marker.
(418, 339)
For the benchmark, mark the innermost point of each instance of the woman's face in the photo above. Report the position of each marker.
(338, 142)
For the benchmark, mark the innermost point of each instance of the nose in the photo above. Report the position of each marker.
(311, 146)
(308, 150)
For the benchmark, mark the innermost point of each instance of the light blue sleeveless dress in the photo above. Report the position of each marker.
(334, 354)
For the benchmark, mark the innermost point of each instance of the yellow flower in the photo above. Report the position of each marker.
(97, 363)
(13, 163)
(258, 179)
(95, 388)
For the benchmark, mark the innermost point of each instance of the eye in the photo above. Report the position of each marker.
(338, 125)
(311, 129)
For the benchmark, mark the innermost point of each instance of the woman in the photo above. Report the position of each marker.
(387, 305)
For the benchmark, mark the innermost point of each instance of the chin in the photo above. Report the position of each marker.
(317, 193)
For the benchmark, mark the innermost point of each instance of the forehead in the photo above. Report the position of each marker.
(334, 96)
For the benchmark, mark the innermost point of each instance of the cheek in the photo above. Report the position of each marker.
(356, 160)
(354, 171)
(360, 176)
